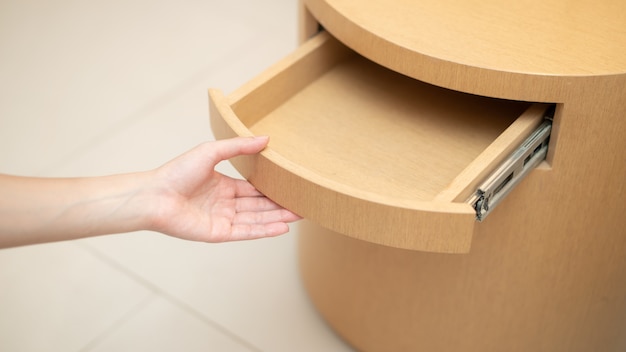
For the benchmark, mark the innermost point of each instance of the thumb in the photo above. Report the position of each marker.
(228, 148)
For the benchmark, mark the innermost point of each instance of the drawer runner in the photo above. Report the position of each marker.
(524, 159)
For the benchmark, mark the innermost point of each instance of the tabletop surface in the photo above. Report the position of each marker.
(536, 37)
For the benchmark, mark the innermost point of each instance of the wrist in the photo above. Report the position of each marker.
(104, 205)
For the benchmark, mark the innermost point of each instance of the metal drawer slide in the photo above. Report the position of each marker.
(525, 158)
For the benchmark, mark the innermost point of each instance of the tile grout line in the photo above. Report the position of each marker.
(96, 341)
(165, 295)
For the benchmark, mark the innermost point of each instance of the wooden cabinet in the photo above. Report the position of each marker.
(382, 125)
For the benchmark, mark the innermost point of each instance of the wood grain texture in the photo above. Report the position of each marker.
(371, 129)
(451, 225)
(492, 48)
(547, 269)
(467, 181)
(308, 26)
(366, 151)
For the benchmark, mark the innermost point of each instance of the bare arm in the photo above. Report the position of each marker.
(185, 198)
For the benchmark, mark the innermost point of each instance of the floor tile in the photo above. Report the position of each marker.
(57, 297)
(250, 288)
(163, 327)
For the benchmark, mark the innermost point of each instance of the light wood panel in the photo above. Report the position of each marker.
(494, 48)
(366, 151)
(547, 269)
(465, 183)
(364, 126)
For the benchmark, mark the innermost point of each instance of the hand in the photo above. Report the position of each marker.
(185, 198)
(195, 202)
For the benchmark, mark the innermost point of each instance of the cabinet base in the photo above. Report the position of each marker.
(384, 299)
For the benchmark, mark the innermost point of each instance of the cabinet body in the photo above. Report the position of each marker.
(546, 271)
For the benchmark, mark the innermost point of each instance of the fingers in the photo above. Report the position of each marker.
(229, 148)
(256, 216)
(251, 232)
(257, 224)
(245, 189)
(255, 203)
(265, 217)
(250, 200)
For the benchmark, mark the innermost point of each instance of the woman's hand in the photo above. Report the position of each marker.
(185, 198)
(195, 202)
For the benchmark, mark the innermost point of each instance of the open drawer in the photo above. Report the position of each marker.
(370, 153)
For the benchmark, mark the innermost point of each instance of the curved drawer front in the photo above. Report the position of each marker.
(368, 152)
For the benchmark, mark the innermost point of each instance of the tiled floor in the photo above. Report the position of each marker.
(101, 87)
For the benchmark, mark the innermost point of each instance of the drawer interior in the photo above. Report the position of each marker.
(349, 120)
(370, 153)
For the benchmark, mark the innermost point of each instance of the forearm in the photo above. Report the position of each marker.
(35, 210)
